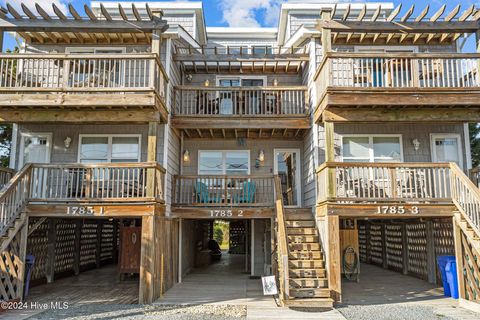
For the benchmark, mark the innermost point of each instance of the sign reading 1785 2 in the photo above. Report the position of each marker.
(226, 213)
(397, 210)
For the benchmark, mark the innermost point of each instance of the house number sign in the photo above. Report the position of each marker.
(226, 213)
(397, 210)
(83, 211)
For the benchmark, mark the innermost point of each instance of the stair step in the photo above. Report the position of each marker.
(310, 303)
(302, 239)
(305, 255)
(310, 293)
(306, 264)
(299, 216)
(306, 273)
(301, 231)
(300, 224)
(304, 246)
(309, 283)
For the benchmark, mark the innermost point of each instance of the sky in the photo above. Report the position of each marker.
(249, 13)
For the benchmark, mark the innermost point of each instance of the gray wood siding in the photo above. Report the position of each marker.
(173, 162)
(409, 132)
(295, 21)
(283, 79)
(60, 154)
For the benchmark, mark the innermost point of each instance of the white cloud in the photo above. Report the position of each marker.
(243, 13)
(45, 4)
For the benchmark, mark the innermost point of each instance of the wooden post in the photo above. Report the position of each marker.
(21, 256)
(77, 244)
(384, 245)
(330, 157)
(326, 14)
(115, 242)
(367, 245)
(151, 157)
(477, 41)
(431, 263)
(334, 264)
(52, 239)
(404, 249)
(98, 249)
(1, 39)
(457, 235)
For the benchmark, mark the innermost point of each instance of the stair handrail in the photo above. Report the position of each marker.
(466, 197)
(13, 198)
(282, 248)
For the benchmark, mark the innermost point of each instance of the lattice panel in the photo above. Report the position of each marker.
(471, 273)
(88, 244)
(375, 243)
(107, 241)
(37, 246)
(444, 241)
(64, 246)
(393, 239)
(362, 241)
(417, 249)
(11, 270)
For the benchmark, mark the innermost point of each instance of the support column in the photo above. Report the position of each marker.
(334, 264)
(404, 249)
(457, 235)
(98, 249)
(1, 39)
(52, 239)
(21, 256)
(384, 245)
(330, 157)
(77, 243)
(151, 157)
(431, 264)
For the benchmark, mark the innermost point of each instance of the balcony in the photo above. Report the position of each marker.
(223, 196)
(103, 189)
(392, 190)
(398, 87)
(80, 88)
(240, 107)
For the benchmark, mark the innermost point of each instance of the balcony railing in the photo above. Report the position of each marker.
(344, 182)
(241, 101)
(398, 70)
(223, 191)
(5, 176)
(82, 73)
(102, 182)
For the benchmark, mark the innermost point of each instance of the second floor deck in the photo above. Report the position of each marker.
(82, 87)
(398, 87)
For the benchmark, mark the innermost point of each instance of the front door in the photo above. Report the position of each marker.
(35, 148)
(447, 148)
(287, 167)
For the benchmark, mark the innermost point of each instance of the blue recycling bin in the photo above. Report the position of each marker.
(451, 271)
(29, 262)
(442, 264)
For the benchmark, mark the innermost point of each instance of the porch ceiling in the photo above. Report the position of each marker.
(290, 134)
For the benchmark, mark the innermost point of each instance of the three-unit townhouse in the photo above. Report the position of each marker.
(341, 133)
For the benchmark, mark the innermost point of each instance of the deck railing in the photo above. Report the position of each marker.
(102, 182)
(82, 73)
(398, 70)
(384, 182)
(475, 176)
(240, 101)
(5, 175)
(282, 270)
(257, 51)
(466, 197)
(223, 190)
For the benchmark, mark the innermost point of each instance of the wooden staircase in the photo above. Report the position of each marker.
(308, 284)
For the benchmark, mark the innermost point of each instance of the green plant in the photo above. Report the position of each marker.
(218, 234)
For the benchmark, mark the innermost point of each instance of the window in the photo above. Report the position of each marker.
(385, 148)
(262, 50)
(224, 162)
(109, 148)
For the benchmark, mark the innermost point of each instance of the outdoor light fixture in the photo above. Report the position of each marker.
(186, 156)
(67, 142)
(206, 83)
(275, 82)
(261, 156)
(189, 77)
(416, 144)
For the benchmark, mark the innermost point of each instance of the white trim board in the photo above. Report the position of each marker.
(110, 138)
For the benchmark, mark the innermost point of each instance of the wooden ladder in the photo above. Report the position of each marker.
(13, 235)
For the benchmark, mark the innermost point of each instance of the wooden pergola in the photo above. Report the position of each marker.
(73, 28)
(396, 28)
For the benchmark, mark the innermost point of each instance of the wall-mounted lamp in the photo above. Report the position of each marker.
(416, 144)
(261, 156)
(186, 156)
(275, 82)
(67, 142)
(189, 77)
(206, 83)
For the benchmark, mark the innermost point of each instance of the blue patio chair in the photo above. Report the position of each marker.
(203, 196)
(247, 195)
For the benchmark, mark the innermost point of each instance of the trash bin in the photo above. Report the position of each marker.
(442, 264)
(451, 271)
(29, 262)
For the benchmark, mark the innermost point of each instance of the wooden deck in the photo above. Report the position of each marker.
(98, 286)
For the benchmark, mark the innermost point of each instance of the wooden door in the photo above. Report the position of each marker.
(130, 240)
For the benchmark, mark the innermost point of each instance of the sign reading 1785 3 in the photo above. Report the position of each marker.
(399, 210)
